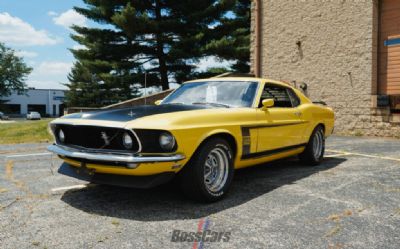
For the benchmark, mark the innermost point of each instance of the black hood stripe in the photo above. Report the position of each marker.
(129, 114)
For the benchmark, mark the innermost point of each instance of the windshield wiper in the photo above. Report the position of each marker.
(211, 103)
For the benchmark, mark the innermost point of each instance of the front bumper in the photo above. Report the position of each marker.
(111, 157)
(85, 174)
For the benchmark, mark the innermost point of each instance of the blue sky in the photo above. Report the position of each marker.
(39, 31)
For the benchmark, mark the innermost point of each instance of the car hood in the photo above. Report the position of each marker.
(133, 113)
(161, 117)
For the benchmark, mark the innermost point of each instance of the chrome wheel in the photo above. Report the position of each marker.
(318, 144)
(216, 170)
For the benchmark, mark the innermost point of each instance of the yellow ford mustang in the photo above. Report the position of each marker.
(201, 132)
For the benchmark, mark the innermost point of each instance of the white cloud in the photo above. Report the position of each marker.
(50, 74)
(69, 18)
(53, 68)
(26, 54)
(14, 31)
(52, 13)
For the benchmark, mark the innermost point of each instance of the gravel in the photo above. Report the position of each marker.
(350, 201)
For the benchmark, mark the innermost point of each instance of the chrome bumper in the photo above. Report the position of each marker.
(80, 154)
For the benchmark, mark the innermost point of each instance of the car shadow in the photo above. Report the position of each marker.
(166, 202)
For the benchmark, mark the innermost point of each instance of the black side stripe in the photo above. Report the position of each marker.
(246, 140)
(273, 125)
(271, 152)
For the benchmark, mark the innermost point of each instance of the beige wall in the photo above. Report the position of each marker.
(336, 58)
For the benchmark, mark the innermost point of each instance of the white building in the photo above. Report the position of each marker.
(48, 102)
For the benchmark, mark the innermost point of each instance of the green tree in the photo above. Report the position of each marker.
(163, 38)
(84, 89)
(170, 33)
(107, 59)
(230, 38)
(13, 72)
(88, 90)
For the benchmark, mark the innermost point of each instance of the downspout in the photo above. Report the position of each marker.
(377, 89)
(257, 62)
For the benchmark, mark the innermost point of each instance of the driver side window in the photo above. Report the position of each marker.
(278, 93)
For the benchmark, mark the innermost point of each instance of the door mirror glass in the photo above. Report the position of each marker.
(158, 102)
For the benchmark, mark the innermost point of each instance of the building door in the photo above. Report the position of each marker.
(389, 51)
(61, 110)
(38, 108)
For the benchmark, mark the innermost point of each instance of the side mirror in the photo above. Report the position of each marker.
(267, 103)
(158, 102)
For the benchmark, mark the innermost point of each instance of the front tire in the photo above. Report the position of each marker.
(315, 149)
(208, 175)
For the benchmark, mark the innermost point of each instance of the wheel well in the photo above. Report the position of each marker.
(322, 125)
(226, 136)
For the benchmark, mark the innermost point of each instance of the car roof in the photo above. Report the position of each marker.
(244, 79)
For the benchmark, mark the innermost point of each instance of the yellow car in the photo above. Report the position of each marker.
(202, 132)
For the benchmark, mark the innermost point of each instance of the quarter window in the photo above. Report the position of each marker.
(294, 98)
(278, 94)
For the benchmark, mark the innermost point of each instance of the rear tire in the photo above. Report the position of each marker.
(315, 149)
(208, 175)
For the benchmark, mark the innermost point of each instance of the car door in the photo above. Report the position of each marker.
(282, 125)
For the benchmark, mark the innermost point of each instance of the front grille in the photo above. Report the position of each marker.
(94, 137)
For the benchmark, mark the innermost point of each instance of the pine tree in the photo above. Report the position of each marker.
(230, 39)
(107, 56)
(84, 89)
(163, 39)
(170, 33)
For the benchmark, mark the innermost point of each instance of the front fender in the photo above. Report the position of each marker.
(190, 140)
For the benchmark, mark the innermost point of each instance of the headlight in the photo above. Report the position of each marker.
(61, 136)
(167, 141)
(127, 141)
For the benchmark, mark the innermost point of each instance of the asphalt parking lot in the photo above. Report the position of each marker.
(352, 200)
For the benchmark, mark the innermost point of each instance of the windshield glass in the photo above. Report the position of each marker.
(217, 93)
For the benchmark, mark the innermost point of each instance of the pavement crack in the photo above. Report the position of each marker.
(9, 169)
(9, 204)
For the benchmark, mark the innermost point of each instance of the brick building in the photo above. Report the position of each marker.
(347, 52)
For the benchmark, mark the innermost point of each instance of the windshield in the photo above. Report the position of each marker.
(216, 93)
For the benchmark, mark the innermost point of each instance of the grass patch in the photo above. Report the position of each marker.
(25, 132)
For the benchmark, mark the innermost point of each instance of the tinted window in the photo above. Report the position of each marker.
(278, 94)
(294, 98)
